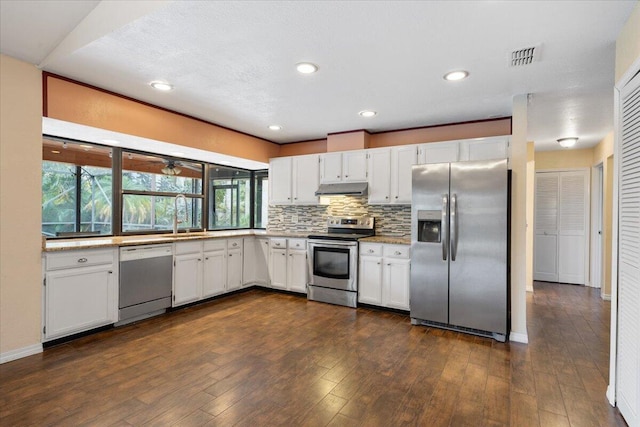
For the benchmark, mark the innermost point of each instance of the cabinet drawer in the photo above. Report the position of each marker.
(188, 247)
(299, 244)
(396, 251)
(370, 249)
(234, 244)
(215, 245)
(278, 243)
(71, 259)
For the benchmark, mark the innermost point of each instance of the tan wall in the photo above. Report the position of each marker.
(531, 177)
(301, 148)
(518, 216)
(357, 140)
(20, 210)
(564, 159)
(603, 154)
(77, 103)
(628, 43)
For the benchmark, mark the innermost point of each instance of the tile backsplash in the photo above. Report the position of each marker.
(391, 220)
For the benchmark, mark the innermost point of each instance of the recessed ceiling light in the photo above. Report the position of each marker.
(55, 151)
(456, 75)
(164, 86)
(275, 127)
(306, 67)
(177, 153)
(111, 141)
(367, 113)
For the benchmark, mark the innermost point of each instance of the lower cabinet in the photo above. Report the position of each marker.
(288, 264)
(80, 291)
(384, 275)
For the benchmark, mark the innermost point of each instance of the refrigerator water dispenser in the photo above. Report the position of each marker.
(429, 226)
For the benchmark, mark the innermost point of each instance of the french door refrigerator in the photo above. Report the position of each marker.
(460, 247)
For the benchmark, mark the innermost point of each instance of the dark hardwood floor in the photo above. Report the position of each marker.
(261, 358)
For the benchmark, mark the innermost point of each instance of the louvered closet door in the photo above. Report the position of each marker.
(561, 226)
(628, 356)
(546, 227)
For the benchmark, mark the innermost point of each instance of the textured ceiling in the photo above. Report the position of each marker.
(233, 63)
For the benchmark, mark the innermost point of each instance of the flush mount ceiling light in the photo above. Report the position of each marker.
(367, 113)
(306, 67)
(163, 86)
(55, 151)
(567, 142)
(275, 127)
(453, 76)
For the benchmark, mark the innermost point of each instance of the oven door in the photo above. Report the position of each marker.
(333, 265)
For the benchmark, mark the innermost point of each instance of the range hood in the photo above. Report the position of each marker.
(343, 189)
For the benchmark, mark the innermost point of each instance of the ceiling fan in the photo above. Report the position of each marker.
(174, 167)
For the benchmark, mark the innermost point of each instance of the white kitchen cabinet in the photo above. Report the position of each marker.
(294, 180)
(234, 264)
(402, 160)
(278, 267)
(288, 264)
(81, 291)
(379, 180)
(214, 272)
(347, 166)
(297, 270)
(262, 262)
(484, 148)
(280, 170)
(384, 275)
(305, 179)
(438, 152)
(187, 278)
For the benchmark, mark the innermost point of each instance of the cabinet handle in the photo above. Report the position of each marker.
(110, 272)
(295, 198)
(346, 176)
(230, 255)
(235, 244)
(283, 255)
(398, 253)
(378, 263)
(81, 260)
(389, 264)
(277, 244)
(290, 254)
(338, 176)
(207, 259)
(370, 251)
(199, 259)
(396, 197)
(386, 197)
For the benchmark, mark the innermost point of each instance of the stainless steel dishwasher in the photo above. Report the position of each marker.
(145, 281)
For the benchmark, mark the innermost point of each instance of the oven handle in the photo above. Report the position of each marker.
(332, 244)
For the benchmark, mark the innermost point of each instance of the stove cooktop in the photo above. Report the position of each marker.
(339, 236)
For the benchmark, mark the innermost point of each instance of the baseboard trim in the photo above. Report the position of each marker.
(606, 297)
(611, 396)
(518, 337)
(19, 353)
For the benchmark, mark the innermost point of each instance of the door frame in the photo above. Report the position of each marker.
(597, 211)
(587, 212)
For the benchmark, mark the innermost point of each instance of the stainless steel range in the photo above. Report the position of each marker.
(333, 260)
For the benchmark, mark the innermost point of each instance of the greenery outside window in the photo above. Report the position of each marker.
(76, 189)
(260, 199)
(229, 198)
(150, 184)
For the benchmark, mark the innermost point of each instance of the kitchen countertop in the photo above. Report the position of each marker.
(147, 239)
(395, 240)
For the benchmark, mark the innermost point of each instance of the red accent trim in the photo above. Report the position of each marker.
(346, 131)
(448, 124)
(45, 94)
(46, 74)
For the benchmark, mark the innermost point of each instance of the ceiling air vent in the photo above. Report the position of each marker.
(524, 56)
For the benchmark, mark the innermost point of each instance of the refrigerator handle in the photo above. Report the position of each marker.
(453, 227)
(445, 226)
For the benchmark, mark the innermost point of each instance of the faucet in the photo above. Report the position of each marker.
(175, 212)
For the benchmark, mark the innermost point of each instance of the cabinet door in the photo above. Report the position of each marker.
(484, 149)
(280, 181)
(278, 268)
(395, 289)
(234, 269)
(297, 271)
(249, 261)
(370, 280)
(354, 165)
(331, 167)
(439, 152)
(187, 278)
(380, 177)
(306, 178)
(215, 273)
(402, 158)
(262, 261)
(79, 299)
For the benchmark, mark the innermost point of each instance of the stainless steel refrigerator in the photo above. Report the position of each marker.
(459, 247)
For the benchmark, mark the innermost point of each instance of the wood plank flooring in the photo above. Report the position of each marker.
(266, 359)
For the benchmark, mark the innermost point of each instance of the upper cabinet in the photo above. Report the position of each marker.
(390, 174)
(438, 152)
(347, 166)
(485, 148)
(294, 180)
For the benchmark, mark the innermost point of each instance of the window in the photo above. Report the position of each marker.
(76, 189)
(150, 184)
(229, 198)
(261, 199)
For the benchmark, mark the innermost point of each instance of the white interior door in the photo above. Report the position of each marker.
(545, 258)
(561, 218)
(628, 346)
